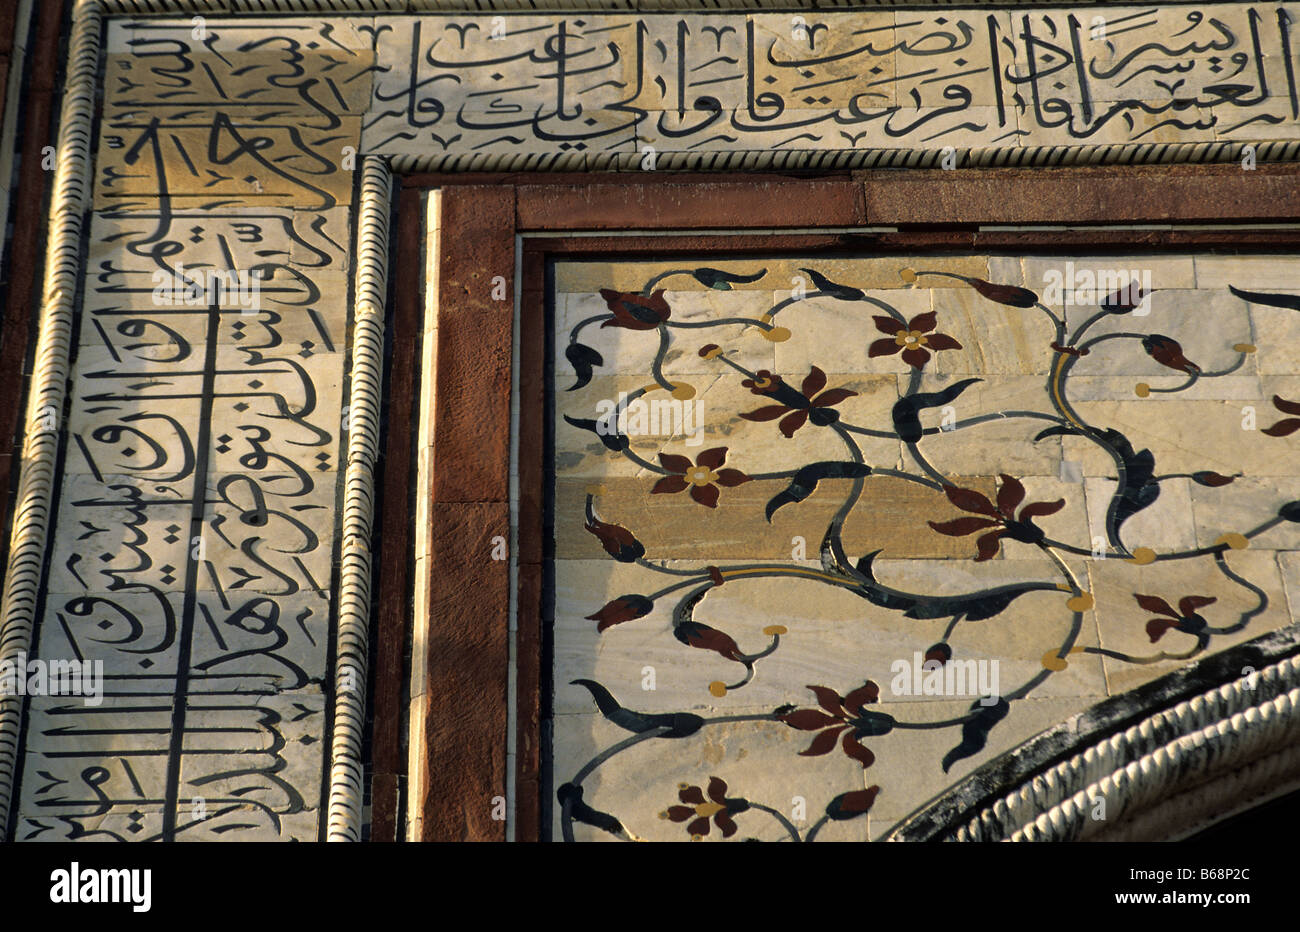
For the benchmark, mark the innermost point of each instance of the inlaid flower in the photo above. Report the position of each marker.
(624, 608)
(1185, 619)
(636, 311)
(718, 807)
(842, 715)
(763, 383)
(809, 403)
(1168, 352)
(914, 339)
(699, 476)
(618, 541)
(1001, 516)
(696, 634)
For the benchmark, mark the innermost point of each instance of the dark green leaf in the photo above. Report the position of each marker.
(805, 481)
(975, 730)
(722, 281)
(907, 410)
(834, 289)
(581, 812)
(679, 724)
(615, 441)
(582, 357)
(1289, 301)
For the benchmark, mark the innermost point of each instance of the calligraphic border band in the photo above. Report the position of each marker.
(1249, 725)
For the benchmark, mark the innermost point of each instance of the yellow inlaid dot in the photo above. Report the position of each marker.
(1080, 603)
(776, 335)
(1053, 662)
(718, 688)
(907, 275)
(775, 629)
(1233, 540)
(1144, 555)
(1244, 347)
(1142, 389)
(683, 392)
(595, 490)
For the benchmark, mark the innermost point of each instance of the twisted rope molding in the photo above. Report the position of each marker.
(40, 450)
(1216, 747)
(346, 794)
(1234, 726)
(40, 454)
(840, 159)
(155, 7)
(1189, 812)
(1199, 754)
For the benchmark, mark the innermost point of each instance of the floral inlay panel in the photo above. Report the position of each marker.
(830, 533)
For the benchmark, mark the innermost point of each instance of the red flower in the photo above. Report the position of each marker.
(799, 407)
(1185, 619)
(718, 807)
(624, 608)
(700, 476)
(763, 383)
(635, 311)
(695, 634)
(1010, 295)
(1284, 427)
(852, 804)
(1002, 516)
(1168, 352)
(911, 339)
(1069, 350)
(618, 541)
(843, 714)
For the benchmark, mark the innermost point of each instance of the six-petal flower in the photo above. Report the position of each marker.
(910, 339)
(699, 476)
(718, 807)
(843, 714)
(1001, 516)
(810, 403)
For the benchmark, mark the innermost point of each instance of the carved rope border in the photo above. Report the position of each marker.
(1056, 796)
(48, 392)
(1243, 732)
(1218, 732)
(365, 398)
(162, 7)
(48, 395)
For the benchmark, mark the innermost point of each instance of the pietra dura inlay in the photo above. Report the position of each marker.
(194, 502)
(826, 542)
